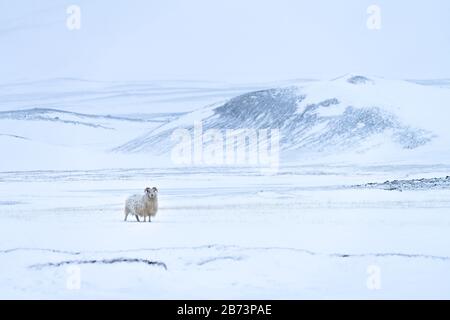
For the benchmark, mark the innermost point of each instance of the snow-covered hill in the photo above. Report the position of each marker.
(39, 138)
(71, 129)
(349, 116)
(352, 119)
(67, 123)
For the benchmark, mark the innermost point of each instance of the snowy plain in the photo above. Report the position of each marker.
(310, 231)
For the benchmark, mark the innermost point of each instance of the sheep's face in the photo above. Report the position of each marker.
(151, 193)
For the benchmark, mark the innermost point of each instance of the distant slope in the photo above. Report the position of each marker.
(349, 115)
(52, 139)
(72, 129)
(90, 120)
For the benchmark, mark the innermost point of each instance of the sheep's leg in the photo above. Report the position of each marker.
(149, 219)
(137, 218)
(145, 218)
(126, 215)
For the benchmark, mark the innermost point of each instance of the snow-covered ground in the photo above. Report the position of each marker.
(312, 230)
(228, 234)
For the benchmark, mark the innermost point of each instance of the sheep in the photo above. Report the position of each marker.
(145, 205)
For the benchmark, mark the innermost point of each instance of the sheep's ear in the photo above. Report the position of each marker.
(155, 189)
(147, 190)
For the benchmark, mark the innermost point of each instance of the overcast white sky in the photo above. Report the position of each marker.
(223, 40)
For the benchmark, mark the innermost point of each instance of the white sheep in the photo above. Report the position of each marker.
(145, 205)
